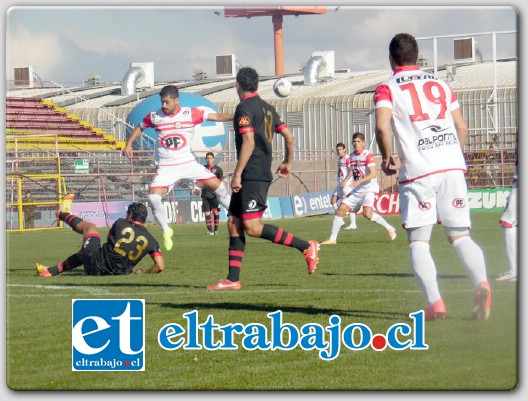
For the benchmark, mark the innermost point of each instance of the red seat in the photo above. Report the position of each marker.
(31, 116)
(26, 118)
(24, 102)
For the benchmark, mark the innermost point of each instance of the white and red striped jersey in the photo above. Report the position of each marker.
(362, 164)
(422, 124)
(343, 164)
(175, 134)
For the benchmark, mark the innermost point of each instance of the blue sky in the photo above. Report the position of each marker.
(70, 43)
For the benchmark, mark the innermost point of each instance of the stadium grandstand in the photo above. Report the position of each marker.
(70, 138)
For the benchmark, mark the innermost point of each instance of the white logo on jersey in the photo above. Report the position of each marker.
(173, 141)
(424, 206)
(459, 203)
(155, 117)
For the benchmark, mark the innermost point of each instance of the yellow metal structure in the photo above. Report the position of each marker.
(16, 139)
(16, 183)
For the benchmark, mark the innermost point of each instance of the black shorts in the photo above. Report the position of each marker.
(250, 202)
(208, 205)
(92, 256)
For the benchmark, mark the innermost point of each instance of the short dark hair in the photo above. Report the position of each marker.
(209, 154)
(171, 91)
(359, 135)
(248, 79)
(403, 49)
(137, 212)
(341, 145)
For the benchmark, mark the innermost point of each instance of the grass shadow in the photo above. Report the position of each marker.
(237, 306)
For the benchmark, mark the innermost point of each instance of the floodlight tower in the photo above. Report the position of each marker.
(276, 14)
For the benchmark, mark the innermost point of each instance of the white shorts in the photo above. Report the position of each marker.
(437, 198)
(509, 218)
(168, 176)
(356, 200)
(340, 192)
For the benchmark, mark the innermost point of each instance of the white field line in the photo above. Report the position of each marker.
(58, 290)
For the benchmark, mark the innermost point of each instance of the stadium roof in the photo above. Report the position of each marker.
(344, 83)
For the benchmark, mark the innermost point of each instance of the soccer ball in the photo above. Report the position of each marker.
(282, 87)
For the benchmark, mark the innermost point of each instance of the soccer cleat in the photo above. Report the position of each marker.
(216, 233)
(436, 310)
(329, 242)
(66, 205)
(42, 270)
(482, 301)
(225, 285)
(167, 239)
(210, 233)
(507, 277)
(351, 227)
(311, 255)
(392, 233)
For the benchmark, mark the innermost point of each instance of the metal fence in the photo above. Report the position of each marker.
(108, 175)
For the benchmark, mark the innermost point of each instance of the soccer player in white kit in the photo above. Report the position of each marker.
(175, 161)
(425, 118)
(360, 186)
(343, 166)
(509, 222)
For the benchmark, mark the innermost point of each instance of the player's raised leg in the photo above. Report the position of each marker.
(155, 198)
(78, 225)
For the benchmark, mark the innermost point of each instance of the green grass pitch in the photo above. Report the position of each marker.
(365, 278)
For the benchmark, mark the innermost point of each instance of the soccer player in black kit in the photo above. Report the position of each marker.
(210, 203)
(127, 243)
(255, 122)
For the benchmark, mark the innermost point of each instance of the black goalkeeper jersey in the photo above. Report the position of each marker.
(127, 244)
(216, 170)
(255, 115)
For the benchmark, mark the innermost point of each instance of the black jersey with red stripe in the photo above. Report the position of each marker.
(255, 115)
(128, 242)
(216, 170)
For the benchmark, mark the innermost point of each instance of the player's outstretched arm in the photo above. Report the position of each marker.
(159, 266)
(384, 139)
(127, 151)
(220, 117)
(349, 176)
(248, 145)
(461, 127)
(284, 169)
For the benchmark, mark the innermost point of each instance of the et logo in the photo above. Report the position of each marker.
(108, 334)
